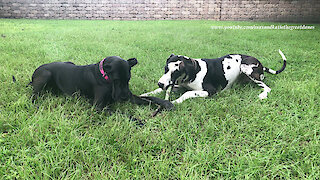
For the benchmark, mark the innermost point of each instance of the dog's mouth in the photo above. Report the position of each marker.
(170, 85)
(167, 87)
(120, 93)
(122, 98)
(162, 86)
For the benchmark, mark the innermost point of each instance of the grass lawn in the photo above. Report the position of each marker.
(230, 135)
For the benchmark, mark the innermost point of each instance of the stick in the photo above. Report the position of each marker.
(166, 98)
(168, 93)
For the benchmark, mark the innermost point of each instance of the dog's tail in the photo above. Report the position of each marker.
(280, 70)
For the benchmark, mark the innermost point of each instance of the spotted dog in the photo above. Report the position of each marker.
(204, 77)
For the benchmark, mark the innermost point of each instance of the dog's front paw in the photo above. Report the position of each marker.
(168, 105)
(165, 105)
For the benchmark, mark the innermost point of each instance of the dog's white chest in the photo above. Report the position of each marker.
(231, 68)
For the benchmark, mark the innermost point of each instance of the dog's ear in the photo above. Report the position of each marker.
(182, 66)
(170, 57)
(189, 65)
(132, 62)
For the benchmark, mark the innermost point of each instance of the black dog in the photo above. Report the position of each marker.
(105, 82)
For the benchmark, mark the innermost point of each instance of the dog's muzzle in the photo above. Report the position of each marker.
(162, 86)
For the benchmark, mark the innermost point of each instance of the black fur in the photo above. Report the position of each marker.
(219, 82)
(68, 78)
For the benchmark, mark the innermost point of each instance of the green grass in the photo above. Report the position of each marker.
(230, 135)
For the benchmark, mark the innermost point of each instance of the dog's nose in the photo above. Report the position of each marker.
(160, 85)
(124, 98)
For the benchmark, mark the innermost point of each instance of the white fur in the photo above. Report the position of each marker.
(247, 69)
(166, 78)
(191, 94)
(272, 71)
(282, 55)
(266, 89)
(233, 72)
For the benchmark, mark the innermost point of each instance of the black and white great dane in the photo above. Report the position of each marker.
(204, 77)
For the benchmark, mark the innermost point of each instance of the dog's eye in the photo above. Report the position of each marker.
(176, 64)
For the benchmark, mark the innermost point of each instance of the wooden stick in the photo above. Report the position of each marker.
(168, 93)
(167, 97)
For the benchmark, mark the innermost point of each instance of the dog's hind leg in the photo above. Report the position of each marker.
(39, 81)
(266, 89)
(256, 75)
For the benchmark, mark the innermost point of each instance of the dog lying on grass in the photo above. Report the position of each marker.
(204, 77)
(104, 83)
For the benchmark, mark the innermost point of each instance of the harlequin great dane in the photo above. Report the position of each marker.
(204, 77)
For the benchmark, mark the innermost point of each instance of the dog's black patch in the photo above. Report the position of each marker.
(214, 78)
(192, 69)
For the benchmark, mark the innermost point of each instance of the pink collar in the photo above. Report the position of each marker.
(104, 74)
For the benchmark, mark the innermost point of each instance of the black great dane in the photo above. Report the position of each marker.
(105, 82)
(204, 77)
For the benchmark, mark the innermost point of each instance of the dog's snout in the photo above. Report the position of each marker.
(161, 85)
(125, 96)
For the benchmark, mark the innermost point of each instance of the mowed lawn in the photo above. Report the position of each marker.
(230, 135)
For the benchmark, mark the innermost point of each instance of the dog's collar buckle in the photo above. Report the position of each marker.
(104, 74)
